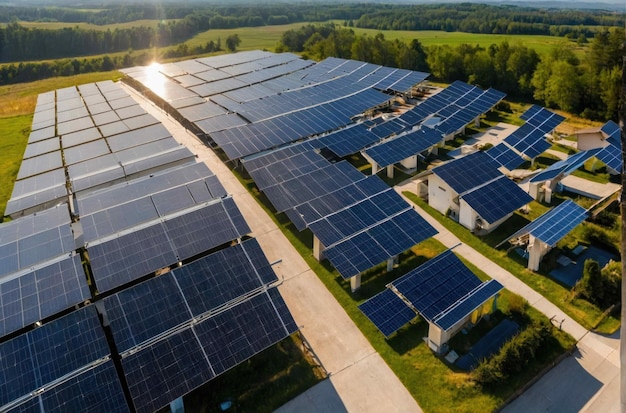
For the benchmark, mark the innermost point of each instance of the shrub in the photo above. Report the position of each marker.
(601, 287)
(514, 355)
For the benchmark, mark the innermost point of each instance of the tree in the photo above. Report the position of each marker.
(232, 42)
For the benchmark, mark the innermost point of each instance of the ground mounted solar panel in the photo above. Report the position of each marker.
(466, 305)
(437, 284)
(553, 225)
(403, 147)
(505, 156)
(564, 166)
(142, 312)
(387, 311)
(215, 280)
(41, 293)
(612, 156)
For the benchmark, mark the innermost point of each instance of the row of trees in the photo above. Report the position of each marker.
(31, 71)
(589, 87)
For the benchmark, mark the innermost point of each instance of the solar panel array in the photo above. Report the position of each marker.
(360, 221)
(153, 239)
(496, 199)
(263, 100)
(553, 225)
(443, 290)
(529, 140)
(104, 136)
(398, 149)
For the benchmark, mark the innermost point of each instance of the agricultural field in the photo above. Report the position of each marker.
(89, 26)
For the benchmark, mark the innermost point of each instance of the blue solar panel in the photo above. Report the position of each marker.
(232, 336)
(379, 243)
(288, 168)
(530, 112)
(497, 199)
(552, 226)
(537, 148)
(468, 172)
(387, 311)
(205, 228)
(613, 132)
(398, 149)
(223, 276)
(17, 371)
(143, 311)
(96, 390)
(165, 371)
(68, 343)
(436, 285)
(505, 156)
(41, 293)
(564, 166)
(131, 256)
(466, 305)
(349, 140)
(612, 156)
(388, 128)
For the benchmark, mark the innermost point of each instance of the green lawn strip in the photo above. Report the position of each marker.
(261, 384)
(580, 310)
(15, 131)
(435, 385)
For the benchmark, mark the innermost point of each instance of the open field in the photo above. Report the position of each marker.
(89, 26)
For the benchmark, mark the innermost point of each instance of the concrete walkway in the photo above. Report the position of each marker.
(586, 381)
(359, 379)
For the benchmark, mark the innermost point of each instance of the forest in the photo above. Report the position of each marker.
(589, 87)
(179, 23)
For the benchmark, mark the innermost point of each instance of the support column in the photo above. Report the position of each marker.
(355, 283)
(318, 249)
(177, 406)
(477, 122)
(391, 262)
(390, 171)
(535, 253)
(374, 168)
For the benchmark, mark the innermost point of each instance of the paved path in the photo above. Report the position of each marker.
(360, 380)
(586, 381)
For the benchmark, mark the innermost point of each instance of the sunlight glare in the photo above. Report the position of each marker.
(155, 80)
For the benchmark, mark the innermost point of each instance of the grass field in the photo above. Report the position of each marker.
(89, 26)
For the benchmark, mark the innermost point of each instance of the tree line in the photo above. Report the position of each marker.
(31, 71)
(180, 22)
(589, 87)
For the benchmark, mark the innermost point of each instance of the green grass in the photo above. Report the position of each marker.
(15, 131)
(89, 26)
(435, 385)
(261, 384)
(580, 310)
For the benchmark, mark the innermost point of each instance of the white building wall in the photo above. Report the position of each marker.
(467, 216)
(410, 162)
(441, 196)
(588, 141)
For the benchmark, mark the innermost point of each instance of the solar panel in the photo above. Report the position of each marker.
(17, 371)
(41, 293)
(205, 228)
(536, 149)
(168, 369)
(613, 131)
(564, 166)
(349, 140)
(144, 311)
(67, 344)
(437, 284)
(232, 336)
(212, 281)
(496, 199)
(387, 311)
(612, 156)
(379, 243)
(553, 225)
(505, 156)
(288, 168)
(403, 147)
(466, 305)
(130, 256)
(470, 171)
(41, 147)
(40, 164)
